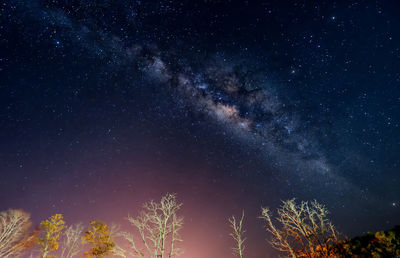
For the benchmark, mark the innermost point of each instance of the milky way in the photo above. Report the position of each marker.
(247, 106)
(244, 102)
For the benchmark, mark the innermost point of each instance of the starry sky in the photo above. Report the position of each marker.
(230, 104)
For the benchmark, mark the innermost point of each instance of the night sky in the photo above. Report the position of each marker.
(232, 105)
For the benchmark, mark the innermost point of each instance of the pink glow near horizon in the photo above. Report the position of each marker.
(112, 197)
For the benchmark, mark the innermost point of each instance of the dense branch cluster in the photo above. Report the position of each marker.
(304, 229)
(158, 225)
(15, 234)
(72, 244)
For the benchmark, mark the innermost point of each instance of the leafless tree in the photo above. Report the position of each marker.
(15, 234)
(118, 250)
(304, 229)
(158, 225)
(72, 244)
(238, 235)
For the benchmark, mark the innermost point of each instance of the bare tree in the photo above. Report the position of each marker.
(158, 226)
(304, 229)
(119, 251)
(237, 235)
(115, 232)
(15, 235)
(136, 252)
(176, 226)
(72, 244)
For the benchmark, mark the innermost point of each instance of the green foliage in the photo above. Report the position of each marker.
(99, 237)
(378, 245)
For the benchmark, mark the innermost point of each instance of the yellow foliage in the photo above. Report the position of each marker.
(52, 230)
(99, 237)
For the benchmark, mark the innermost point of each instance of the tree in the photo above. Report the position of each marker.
(117, 250)
(158, 226)
(100, 239)
(238, 235)
(304, 229)
(71, 244)
(381, 244)
(15, 234)
(52, 230)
